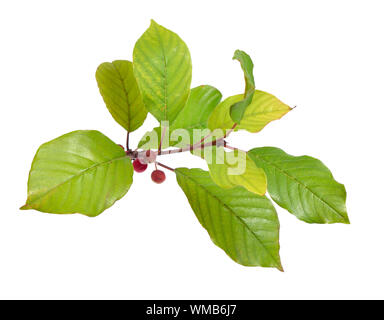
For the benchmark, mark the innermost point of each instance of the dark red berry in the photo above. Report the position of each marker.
(138, 166)
(158, 176)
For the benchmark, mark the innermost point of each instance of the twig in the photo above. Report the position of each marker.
(232, 148)
(195, 146)
(202, 140)
(210, 134)
(191, 148)
(230, 130)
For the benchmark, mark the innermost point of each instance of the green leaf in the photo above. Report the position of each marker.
(241, 223)
(302, 185)
(151, 139)
(163, 69)
(247, 66)
(79, 172)
(121, 94)
(263, 109)
(237, 110)
(220, 117)
(235, 168)
(200, 104)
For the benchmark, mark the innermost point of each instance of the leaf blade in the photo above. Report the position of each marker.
(220, 117)
(121, 94)
(163, 69)
(199, 106)
(237, 110)
(311, 193)
(247, 66)
(241, 223)
(235, 168)
(80, 172)
(263, 109)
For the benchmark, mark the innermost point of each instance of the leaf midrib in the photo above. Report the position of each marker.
(278, 264)
(165, 73)
(302, 184)
(73, 177)
(258, 113)
(126, 96)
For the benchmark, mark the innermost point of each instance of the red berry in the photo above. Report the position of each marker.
(121, 146)
(158, 176)
(138, 166)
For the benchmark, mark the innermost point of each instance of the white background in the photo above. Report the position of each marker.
(326, 57)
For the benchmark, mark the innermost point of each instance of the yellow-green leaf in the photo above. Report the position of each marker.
(163, 70)
(235, 168)
(121, 94)
(79, 172)
(263, 109)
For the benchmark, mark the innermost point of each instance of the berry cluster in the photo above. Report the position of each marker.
(140, 165)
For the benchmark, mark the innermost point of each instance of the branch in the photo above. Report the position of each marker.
(199, 145)
(208, 135)
(191, 148)
(230, 130)
(201, 141)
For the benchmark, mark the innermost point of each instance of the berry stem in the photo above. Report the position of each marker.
(164, 166)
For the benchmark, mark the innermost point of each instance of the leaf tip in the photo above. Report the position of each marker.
(153, 23)
(235, 54)
(25, 207)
